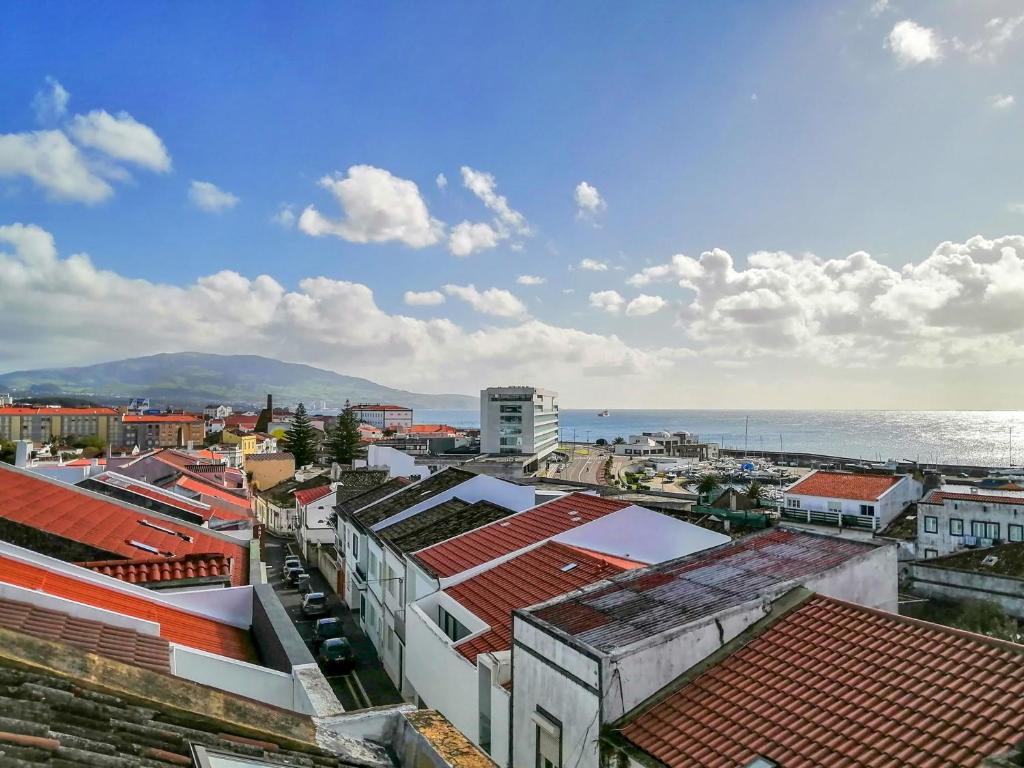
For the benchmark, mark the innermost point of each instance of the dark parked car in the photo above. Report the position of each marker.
(336, 655)
(325, 629)
(291, 574)
(315, 604)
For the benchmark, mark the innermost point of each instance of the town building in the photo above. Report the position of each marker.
(663, 443)
(519, 421)
(41, 425)
(956, 517)
(274, 507)
(165, 430)
(792, 689)
(214, 411)
(582, 662)
(246, 422)
(393, 417)
(855, 500)
(268, 469)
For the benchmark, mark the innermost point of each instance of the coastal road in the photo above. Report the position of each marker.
(585, 467)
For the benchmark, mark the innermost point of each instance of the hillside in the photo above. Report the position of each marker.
(191, 379)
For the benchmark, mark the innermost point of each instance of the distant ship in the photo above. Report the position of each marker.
(603, 413)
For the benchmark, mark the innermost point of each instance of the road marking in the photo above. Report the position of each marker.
(352, 690)
(361, 689)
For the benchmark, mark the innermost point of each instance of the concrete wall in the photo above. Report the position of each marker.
(266, 473)
(399, 464)
(255, 682)
(928, 579)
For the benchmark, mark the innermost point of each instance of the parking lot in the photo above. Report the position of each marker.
(367, 685)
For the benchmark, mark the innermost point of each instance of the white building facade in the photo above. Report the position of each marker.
(961, 517)
(867, 500)
(396, 417)
(518, 420)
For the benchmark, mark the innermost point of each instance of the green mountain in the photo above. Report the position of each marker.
(191, 380)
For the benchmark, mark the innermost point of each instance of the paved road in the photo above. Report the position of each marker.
(367, 685)
(584, 468)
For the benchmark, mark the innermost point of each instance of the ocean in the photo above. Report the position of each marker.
(987, 438)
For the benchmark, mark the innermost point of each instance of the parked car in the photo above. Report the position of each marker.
(291, 574)
(336, 654)
(302, 584)
(325, 629)
(292, 560)
(315, 604)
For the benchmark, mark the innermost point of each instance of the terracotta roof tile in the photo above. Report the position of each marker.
(17, 411)
(939, 497)
(151, 570)
(515, 532)
(309, 495)
(832, 683)
(530, 578)
(844, 485)
(72, 513)
(176, 625)
(119, 643)
(162, 418)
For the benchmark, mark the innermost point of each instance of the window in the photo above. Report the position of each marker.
(867, 509)
(984, 530)
(835, 506)
(374, 570)
(931, 524)
(1015, 532)
(956, 526)
(355, 545)
(549, 740)
(991, 530)
(793, 503)
(930, 553)
(451, 625)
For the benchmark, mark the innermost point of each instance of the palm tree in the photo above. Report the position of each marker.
(707, 485)
(618, 440)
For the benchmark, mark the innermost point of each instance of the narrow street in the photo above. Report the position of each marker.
(367, 685)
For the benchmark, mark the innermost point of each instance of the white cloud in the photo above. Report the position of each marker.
(679, 267)
(1016, 207)
(484, 187)
(423, 298)
(121, 137)
(913, 44)
(1002, 101)
(531, 280)
(644, 305)
(284, 216)
(378, 207)
(588, 200)
(997, 35)
(467, 238)
(592, 265)
(492, 301)
(53, 163)
(209, 197)
(441, 181)
(879, 7)
(607, 301)
(51, 103)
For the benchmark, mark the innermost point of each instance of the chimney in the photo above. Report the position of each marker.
(270, 405)
(22, 452)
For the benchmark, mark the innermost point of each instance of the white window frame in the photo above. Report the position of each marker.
(931, 524)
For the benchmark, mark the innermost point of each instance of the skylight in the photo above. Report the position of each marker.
(568, 567)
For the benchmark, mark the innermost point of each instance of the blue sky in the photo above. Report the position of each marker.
(793, 128)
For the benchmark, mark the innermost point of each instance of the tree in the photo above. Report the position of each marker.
(300, 438)
(343, 438)
(7, 451)
(600, 441)
(618, 440)
(755, 491)
(707, 486)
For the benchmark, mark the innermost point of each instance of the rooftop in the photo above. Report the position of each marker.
(152, 570)
(280, 455)
(176, 625)
(373, 495)
(431, 429)
(18, 411)
(987, 496)
(797, 690)
(180, 418)
(309, 495)
(1001, 560)
(379, 407)
(105, 525)
(283, 494)
(535, 576)
(411, 495)
(844, 485)
(144, 492)
(515, 532)
(645, 602)
(446, 520)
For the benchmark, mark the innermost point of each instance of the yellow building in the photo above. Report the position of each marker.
(249, 441)
(40, 425)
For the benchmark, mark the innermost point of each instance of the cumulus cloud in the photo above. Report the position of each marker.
(85, 309)
(994, 38)
(1003, 101)
(593, 265)
(1015, 207)
(284, 216)
(588, 200)
(679, 267)
(492, 301)
(53, 163)
(644, 305)
(963, 304)
(607, 301)
(467, 238)
(423, 298)
(485, 187)
(51, 103)
(913, 44)
(441, 181)
(208, 197)
(378, 207)
(531, 280)
(121, 137)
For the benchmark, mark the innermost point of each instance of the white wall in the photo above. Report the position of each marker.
(478, 488)
(399, 464)
(943, 542)
(249, 680)
(643, 535)
(887, 507)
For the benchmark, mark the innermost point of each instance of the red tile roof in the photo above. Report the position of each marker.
(150, 570)
(212, 494)
(836, 684)
(938, 497)
(73, 513)
(176, 625)
(118, 643)
(309, 495)
(515, 532)
(15, 411)
(162, 417)
(432, 429)
(530, 578)
(100, 462)
(844, 485)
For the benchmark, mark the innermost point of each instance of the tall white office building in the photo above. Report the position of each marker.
(518, 420)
